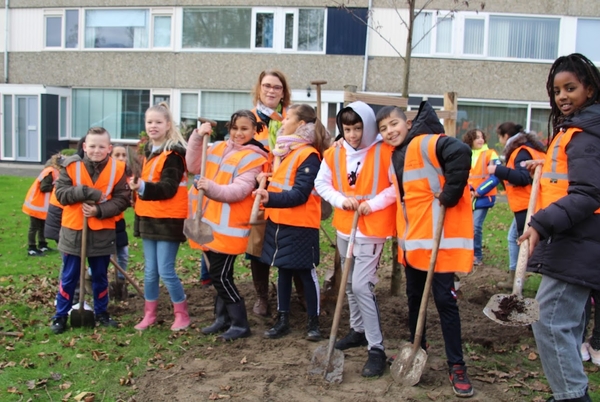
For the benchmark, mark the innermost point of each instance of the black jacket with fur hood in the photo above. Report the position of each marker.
(519, 176)
(166, 229)
(454, 155)
(100, 242)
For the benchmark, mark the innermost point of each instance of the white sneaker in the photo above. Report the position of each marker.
(594, 354)
(585, 354)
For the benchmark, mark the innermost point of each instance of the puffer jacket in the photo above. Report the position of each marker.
(569, 247)
(293, 247)
(53, 223)
(100, 242)
(454, 155)
(162, 229)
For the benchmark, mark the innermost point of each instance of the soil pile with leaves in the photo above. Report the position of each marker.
(255, 368)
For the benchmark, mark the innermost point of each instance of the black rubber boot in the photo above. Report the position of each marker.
(239, 322)
(281, 327)
(375, 365)
(313, 332)
(352, 340)
(104, 320)
(222, 321)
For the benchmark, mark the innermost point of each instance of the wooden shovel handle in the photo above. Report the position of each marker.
(83, 265)
(257, 200)
(205, 120)
(126, 275)
(199, 211)
(524, 248)
(425, 298)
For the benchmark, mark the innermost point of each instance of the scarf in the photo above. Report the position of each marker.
(304, 135)
(275, 122)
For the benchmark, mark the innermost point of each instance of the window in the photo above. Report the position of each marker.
(311, 29)
(121, 112)
(219, 106)
(216, 28)
(432, 29)
(289, 31)
(161, 36)
(62, 133)
(587, 34)
(116, 29)
(523, 37)
(71, 29)
(53, 31)
(264, 29)
(474, 36)
(487, 117)
(189, 110)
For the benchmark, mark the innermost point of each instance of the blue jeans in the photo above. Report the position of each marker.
(122, 259)
(513, 247)
(160, 256)
(478, 218)
(558, 335)
(204, 274)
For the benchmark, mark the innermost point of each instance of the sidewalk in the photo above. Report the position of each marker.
(20, 169)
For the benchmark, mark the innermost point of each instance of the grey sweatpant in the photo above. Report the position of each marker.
(364, 313)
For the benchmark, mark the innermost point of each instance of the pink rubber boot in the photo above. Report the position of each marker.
(150, 308)
(182, 318)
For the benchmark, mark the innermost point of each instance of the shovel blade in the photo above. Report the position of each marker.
(512, 310)
(197, 231)
(409, 365)
(332, 372)
(82, 319)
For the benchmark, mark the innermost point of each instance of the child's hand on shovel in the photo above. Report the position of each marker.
(263, 194)
(203, 184)
(533, 236)
(90, 210)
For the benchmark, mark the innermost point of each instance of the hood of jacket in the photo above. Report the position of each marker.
(588, 120)
(369, 123)
(426, 122)
(527, 139)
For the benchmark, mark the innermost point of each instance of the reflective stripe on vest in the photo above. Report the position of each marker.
(111, 180)
(422, 178)
(338, 172)
(479, 173)
(518, 196)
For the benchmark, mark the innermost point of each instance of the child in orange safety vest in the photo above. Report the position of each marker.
(356, 177)
(36, 206)
(231, 170)
(432, 170)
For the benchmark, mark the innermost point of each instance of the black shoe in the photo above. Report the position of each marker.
(239, 322)
(222, 321)
(34, 252)
(59, 325)
(585, 398)
(281, 327)
(375, 365)
(313, 332)
(105, 320)
(352, 340)
(43, 247)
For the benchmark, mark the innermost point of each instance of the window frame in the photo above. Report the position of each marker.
(161, 12)
(444, 14)
(54, 14)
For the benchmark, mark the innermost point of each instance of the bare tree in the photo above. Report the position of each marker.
(415, 8)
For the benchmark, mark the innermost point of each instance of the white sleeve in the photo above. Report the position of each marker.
(324, 186)
(384, 199)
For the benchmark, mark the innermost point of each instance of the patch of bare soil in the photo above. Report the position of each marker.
(259, 369)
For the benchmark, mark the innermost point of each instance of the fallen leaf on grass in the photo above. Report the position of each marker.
(13, 390)
(10, 348)
(499, 374)
(66, 397)
(55, 376)
(532, 356)
(538, 386)
(244, 360)
(489, 380)
(225, 387)
(214, 396)
(4, 365)
(83, 396)
(64, 386)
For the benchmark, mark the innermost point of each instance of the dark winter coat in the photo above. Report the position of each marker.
(121, 231)
(53, 225)
(100, 242)
(569, 247)
(454, 156)
(293, 247)
(519, 176)
(165, 229)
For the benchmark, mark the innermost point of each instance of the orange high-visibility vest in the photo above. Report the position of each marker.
(554, 182)
(479, 173)
(176, 207)
(36, 203)
(229, 221)
(305, 215)
(192, 205)
(263, 136)
(373, 179)
(421, 179)
(518, 196)
(112, 173)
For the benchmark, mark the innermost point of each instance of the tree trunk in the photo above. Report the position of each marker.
(408, 53)
(396, 270)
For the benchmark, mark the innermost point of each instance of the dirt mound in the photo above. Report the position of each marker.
(255, 368)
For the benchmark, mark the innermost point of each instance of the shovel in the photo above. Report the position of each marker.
(513, 309)
(254, 213)
(127, 277)
(83, 317)
(328, 361)
(193, 228)
(410, 361)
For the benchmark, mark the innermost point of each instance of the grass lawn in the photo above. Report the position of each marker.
(35, 364)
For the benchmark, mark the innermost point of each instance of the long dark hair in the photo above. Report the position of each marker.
(307, 114)
(585, 71)
(258, 125)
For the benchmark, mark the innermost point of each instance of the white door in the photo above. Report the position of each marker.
(26, 130)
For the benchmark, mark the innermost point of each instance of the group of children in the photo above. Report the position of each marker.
(397, 174)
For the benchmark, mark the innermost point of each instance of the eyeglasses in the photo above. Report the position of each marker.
(268, 87)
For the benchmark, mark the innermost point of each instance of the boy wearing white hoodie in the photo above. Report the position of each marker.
(356, 176)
